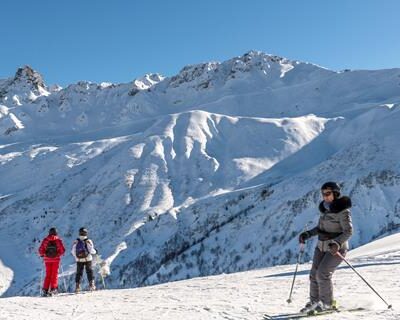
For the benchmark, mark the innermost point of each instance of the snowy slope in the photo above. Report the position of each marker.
(216, 169)
(246, 295)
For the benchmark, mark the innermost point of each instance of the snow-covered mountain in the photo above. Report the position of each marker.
(245, 295)
(216, 169)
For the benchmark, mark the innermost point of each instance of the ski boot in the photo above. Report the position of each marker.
(307, 307)
(53, 292)
(45, 293)
(321, 307)
(77, 287)
(92, 286)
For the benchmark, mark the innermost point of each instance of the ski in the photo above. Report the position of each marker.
(301, 315)
(62, 294)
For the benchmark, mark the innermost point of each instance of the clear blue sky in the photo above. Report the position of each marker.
(120, 40)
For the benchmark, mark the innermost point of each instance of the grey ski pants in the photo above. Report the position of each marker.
(323, 266)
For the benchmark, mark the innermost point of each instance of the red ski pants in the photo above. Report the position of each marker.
(51, 279)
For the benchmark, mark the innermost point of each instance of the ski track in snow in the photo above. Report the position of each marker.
(246, 295)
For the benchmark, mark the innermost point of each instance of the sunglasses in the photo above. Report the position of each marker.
(327, 194)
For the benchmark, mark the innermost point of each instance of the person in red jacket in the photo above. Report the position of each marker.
(51, 250)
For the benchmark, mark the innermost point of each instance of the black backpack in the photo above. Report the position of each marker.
(51, 249)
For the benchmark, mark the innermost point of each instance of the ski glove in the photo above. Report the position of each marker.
(304, 236)
(333, 248)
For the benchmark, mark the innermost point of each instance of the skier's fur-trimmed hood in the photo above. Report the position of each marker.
(337, 205)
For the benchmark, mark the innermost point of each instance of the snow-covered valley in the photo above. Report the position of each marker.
(214, 170)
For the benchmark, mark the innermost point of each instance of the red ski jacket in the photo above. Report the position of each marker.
(59, 245)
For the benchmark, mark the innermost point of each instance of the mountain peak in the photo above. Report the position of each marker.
(205, 75)
(189, 73)
(257, 58)
(254, 58)
(148, 80)
(29, 75)
(145, 82)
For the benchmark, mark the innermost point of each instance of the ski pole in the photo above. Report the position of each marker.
(295, 271)
(41, 281)
(98, 263)
(102, 280)
(63, 277)
(352, 268)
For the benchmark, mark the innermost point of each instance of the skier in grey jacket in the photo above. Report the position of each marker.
(334, 230)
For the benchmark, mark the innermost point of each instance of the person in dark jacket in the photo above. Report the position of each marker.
(334, 229)
(51, 250)
(83, 251)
